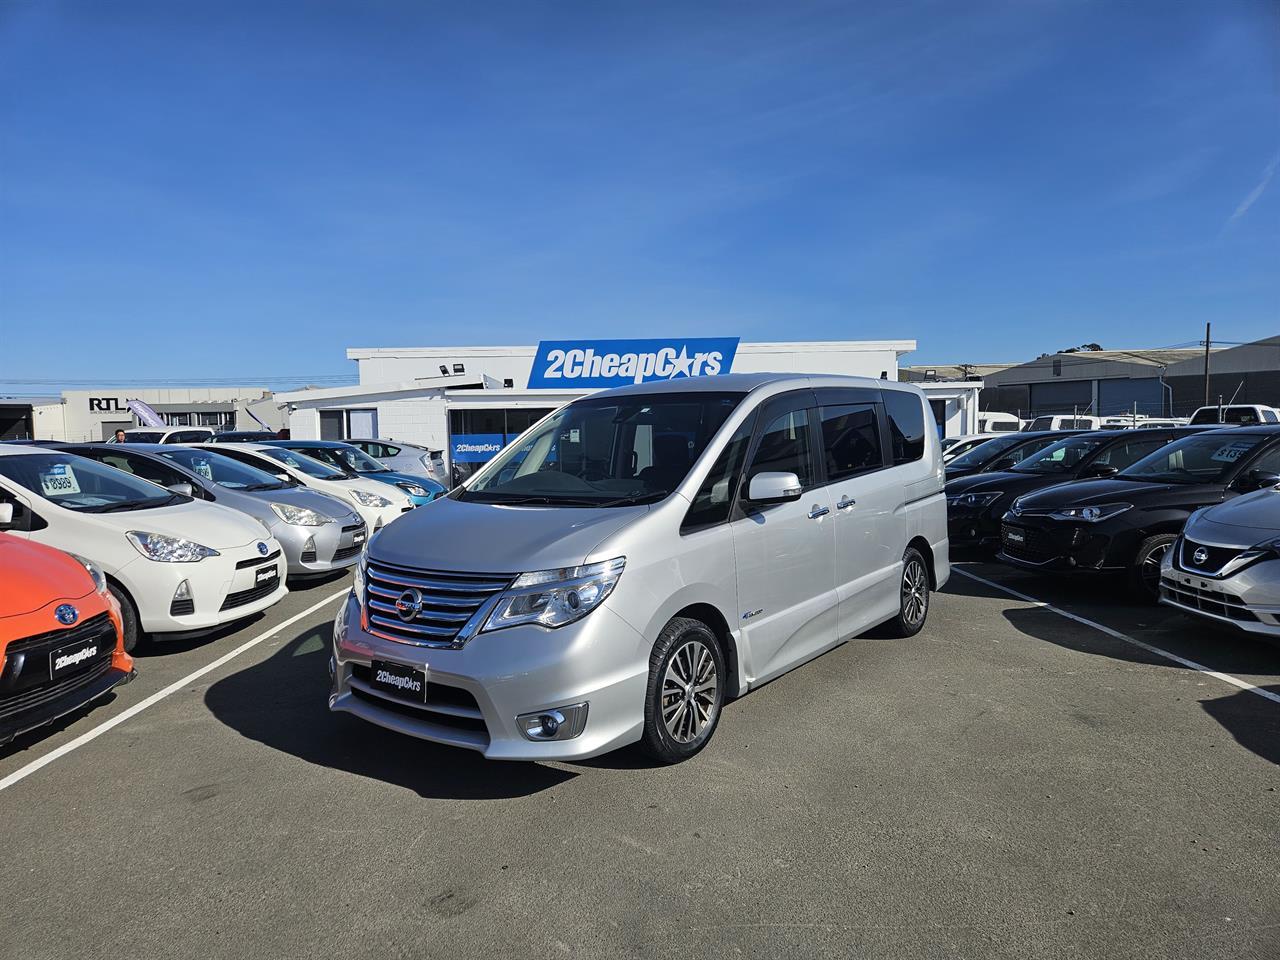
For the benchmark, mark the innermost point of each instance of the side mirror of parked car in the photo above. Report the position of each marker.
(183, 489)
(1103, 470)
(1258, 480)
(773, 488)
(6, 514)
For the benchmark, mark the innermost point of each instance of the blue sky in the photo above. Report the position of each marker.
(226, 190)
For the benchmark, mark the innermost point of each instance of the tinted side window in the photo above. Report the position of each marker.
(906, 425)
(851, 440)
(1269, 462)
(388, 451)
(784, 448)
(1269, 416)
(714, 498)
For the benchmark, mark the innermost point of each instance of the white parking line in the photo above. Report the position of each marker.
(23, 772)
(1225, 677)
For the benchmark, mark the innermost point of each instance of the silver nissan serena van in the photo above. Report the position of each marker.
(641, 556)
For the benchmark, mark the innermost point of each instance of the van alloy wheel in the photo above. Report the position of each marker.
(689, 691)
(915, 592)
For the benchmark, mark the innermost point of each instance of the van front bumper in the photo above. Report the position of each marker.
(475, 693)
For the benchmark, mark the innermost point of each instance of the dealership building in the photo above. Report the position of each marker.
(470, 401)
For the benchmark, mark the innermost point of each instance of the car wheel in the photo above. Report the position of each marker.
(128, 617)
(1145, 574)
(685, 693)
(913, 596)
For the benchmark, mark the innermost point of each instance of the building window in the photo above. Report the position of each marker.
(483, 432)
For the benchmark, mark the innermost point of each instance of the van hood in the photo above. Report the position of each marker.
(449, 534)
(1241, 522)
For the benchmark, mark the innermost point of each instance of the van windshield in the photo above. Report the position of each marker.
(83, 485)
(605, 452)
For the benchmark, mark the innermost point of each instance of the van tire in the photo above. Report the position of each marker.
(1145, 574)
(682, 651)
(913, 597)
(128, 617)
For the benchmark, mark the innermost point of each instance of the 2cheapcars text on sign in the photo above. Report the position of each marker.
(613, 363)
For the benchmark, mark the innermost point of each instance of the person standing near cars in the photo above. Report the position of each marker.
(120, 437)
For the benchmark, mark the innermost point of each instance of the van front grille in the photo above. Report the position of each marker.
(438, 603)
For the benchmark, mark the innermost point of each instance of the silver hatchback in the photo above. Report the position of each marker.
(642, 555)
(1226, 564)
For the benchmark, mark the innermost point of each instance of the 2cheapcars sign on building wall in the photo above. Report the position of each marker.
(615, 363)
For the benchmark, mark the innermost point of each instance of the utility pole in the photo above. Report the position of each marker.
(1207, 340)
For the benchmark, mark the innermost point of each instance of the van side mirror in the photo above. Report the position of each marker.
(773, 488)
(183, 489)
(1103, 470)
(6, 514)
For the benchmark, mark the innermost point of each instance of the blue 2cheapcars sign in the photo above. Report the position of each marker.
(614, 363)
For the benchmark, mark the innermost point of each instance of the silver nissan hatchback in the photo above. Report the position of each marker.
(641, 556)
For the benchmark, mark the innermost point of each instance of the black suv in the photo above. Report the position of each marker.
(1002, 452)
(977, 502)
(1127, 522)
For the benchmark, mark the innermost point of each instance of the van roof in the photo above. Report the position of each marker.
(748, 382)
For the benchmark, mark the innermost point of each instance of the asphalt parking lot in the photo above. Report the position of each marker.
(1009, 783)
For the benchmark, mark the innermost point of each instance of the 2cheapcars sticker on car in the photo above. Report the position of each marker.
(614, 363)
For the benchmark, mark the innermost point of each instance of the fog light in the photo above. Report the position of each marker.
(562, 723)
(183, 603)
(309, 551)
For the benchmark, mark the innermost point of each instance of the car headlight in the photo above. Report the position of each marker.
(299, 516)
(412, 489)
(1270, 549)
(984, 499)
(369, 499)
(99, 578)
(157, 546)
(1103, 511)
(553, 598)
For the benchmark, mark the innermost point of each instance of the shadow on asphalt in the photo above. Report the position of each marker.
(283, 703)
(1255, 730)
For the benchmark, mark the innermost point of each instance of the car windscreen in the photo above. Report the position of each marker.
(987, 451)
(1061, 457)
(1205, 458)
(349, 459)
(144, 436)
(224, 471)
(308, 465)
(606, 451)
(84, 485)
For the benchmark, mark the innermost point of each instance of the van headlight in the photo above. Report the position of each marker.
(369, 499)
(1103, 511)
(99, 578)
(553, 598)
(299, 516)
(157, 546)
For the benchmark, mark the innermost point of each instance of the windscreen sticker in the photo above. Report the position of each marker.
(1231, 452)
(59, 481)
(203, 467)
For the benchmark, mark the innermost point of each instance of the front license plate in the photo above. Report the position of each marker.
(1015, 536)
(68, 659)
(398, 680)
(266, 575)
(358, 539)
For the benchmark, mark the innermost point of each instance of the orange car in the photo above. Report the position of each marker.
(61, 643)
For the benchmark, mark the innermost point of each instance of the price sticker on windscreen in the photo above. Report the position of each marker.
(1231, 452)
(203, 468)
(59, 481)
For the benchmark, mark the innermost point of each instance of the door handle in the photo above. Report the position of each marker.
(845, 502)
(816, 511)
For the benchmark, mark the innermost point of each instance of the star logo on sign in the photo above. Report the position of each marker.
(680, 365)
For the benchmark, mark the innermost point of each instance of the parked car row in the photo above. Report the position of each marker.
(1191, 515)
(102, 544)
